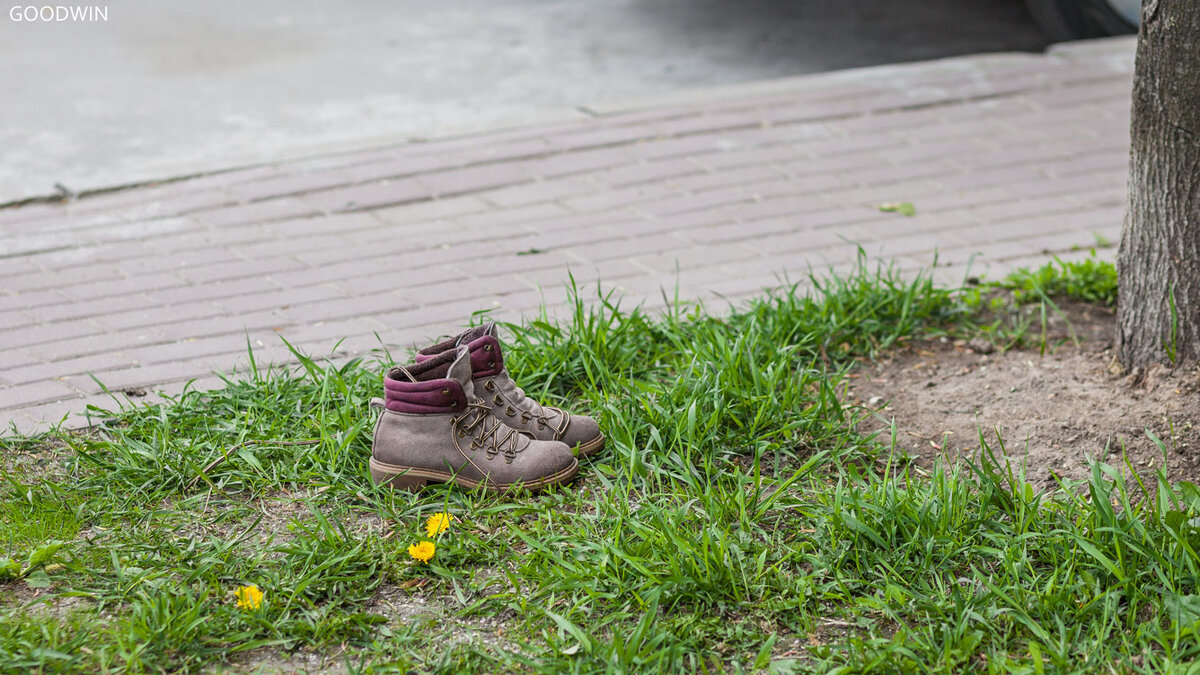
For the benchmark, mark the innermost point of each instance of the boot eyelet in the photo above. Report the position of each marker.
(487, 348)
(489, 385)
(491, 364)
(445, 392)
(499, 399)
(510, 411)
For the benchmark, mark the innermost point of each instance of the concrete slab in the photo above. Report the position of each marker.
(171, 87)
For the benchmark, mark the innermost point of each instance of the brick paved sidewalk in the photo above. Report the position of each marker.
(1008, 158)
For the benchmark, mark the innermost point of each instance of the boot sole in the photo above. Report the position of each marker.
(590, 448)
(412, 478)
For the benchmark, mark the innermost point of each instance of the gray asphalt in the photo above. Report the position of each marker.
(168, 87)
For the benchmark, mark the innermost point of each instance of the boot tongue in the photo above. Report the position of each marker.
(475, 333)
(460, 371)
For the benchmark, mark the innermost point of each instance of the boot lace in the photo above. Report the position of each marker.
(487, 432)
(539, 411)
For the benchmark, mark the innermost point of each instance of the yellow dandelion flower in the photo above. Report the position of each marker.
(422, 551)
(437, 524)
(249, 597)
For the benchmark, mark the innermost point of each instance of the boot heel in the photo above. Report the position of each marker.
(403, 479)
(400, 481)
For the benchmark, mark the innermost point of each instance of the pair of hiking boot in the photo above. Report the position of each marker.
(455, 416)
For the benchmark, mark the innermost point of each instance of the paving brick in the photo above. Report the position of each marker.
(796, 207)
(36, 392)
(828, 146)
(331, 224)
(15, 318)
(506, 219)
(18, 267)
(357, 305)
(432, 210)
(1013, 175)
(238, 324)
(696, 256)
(69, 414)
(213, 238)
(920, 243)
(63, 278)
(1020, 208)
(22, 213)
(620, 248)
(186, 349)
(399, 278)
(679, 202)
(179, 203)
(35, 334)
(750, 156)
(29, 299)
(880, 226)
(541, 191)
(290, 184)
(63, 221)
(117, 252)
(651, 172)
(124, 286)
(684, 146)
(137, 377)
(278, 299)
(15, 358)
(211, 290)
(724, 179)
(761, 233)
(288, 246)
(850, 165)
(572, 238)
(1105, 162)
(1064, 241)
(54, 370)
(321, 337)
(161, 390)
(451, 291)
(593, 137)
(569, 163)
(53, 349)
(240, 269)
(296, 275)
(802, 240)
(195, 258)
(369, 196)
(255, 212)
(604, 201)
(932, 197)
(585, 275)
(444, 316)
(474, 179)
(60, 310)
(511, 263)
(157, 316)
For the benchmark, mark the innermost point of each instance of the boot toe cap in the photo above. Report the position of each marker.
(583, 432)
(541, 464)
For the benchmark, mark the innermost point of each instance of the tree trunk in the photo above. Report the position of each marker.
(1158, 309)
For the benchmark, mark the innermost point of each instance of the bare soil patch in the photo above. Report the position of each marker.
(1053, 410)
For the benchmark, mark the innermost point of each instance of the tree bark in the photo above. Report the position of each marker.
(1159, 260)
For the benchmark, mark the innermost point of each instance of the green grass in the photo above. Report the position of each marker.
(1088, 280)
(736, 522)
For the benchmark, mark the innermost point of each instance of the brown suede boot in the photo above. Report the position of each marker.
(434, 429)
(509, 402)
